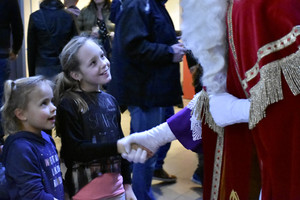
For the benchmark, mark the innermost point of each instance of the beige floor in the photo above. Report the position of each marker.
(179, 161)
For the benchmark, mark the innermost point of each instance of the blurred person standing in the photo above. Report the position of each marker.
(93, 20)
(145, 71)
(49, 30)
(10, 25)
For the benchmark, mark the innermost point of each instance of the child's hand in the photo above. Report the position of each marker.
(134, 152)
(95, 32)
(129, 194)
(136, 146)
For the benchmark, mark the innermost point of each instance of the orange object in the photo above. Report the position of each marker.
(187, 87)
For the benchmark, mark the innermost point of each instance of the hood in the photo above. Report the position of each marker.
(52, 5)
(20, 135)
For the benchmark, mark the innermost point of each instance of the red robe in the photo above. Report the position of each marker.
(263, 65)
(263, 53)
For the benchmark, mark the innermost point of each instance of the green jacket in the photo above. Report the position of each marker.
(88, 18)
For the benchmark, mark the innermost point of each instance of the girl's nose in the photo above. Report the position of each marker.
(104, 62)
(53, 107)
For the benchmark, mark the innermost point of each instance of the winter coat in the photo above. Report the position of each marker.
(32, 167)
(10, 23)
(50, 29)
(143, 73)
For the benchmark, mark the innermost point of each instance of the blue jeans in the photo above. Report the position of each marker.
(141, 120)
(4, 75)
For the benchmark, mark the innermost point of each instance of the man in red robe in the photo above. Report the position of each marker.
(249, 108)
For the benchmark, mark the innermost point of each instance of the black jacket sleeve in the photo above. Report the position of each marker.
(16, 27)
(31, 46)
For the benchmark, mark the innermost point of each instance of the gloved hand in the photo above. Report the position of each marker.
(151, 139)
(138, 155)
(178, 52)
(226, 109)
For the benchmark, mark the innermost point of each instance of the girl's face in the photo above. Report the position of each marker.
(94, 69)
(40, 112)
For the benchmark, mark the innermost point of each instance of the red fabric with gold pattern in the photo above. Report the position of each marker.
(252, 25)
(256, 23)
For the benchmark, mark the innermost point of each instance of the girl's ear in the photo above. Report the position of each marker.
(20, 114)
(76, 75)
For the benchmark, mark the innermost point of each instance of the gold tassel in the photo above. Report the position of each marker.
(269, 89)
(201, 111)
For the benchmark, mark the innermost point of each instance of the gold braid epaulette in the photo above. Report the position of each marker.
(269, 88)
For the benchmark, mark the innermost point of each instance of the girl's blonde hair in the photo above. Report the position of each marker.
(17, 95)
(64, 83)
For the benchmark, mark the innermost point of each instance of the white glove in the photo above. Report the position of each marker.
(151, 139)
(136, 155)
(227, 109)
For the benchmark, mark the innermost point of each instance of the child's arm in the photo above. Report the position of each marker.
(129, 194)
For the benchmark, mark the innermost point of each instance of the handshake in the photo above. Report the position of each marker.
(138, 147)
(135, 153)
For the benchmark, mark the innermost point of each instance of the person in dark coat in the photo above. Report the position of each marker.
(10, 25)
(49, 30)
(145, 70)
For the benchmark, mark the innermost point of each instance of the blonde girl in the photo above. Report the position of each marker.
(88, 121)
(29, 154)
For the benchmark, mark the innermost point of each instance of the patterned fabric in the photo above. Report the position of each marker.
(83, 173)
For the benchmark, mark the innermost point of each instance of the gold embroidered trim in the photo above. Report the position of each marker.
(269, 89)
(268, 49)
(232, 46)
(216, 179)
(201, 110)
(234, 195)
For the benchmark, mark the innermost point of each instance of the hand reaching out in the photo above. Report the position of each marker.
(151, 140)
(179, 52)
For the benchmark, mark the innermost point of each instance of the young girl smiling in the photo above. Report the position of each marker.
(88, 121)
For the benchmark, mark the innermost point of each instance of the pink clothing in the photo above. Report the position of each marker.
(106, 186)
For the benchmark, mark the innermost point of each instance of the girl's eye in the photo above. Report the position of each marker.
(102, 56)
(93, 63)
(45, 102)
